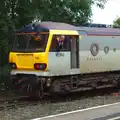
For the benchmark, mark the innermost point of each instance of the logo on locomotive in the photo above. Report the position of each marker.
(106, 49)
(94, 49)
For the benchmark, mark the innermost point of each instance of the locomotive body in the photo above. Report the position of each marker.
(57, 57)
(99, 50)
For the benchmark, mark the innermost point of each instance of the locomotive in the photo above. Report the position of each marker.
(53, 57)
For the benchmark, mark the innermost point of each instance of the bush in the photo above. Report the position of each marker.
(5, 77)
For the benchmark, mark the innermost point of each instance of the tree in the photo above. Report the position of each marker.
(116, 22)
(100, 3)
(21, 12)
(70, 11)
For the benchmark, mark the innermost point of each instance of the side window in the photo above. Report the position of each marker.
(60, 43)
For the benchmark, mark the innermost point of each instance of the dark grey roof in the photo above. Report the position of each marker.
(46, 26)
(100, 31)
(58, 26)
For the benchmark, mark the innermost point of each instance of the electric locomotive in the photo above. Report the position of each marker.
(50, 57)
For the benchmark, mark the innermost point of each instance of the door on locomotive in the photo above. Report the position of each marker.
(65, 59)
(74, 52)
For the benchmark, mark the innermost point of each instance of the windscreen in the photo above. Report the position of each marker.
(30, 43)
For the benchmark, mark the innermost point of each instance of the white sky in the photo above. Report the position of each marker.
(108, 14)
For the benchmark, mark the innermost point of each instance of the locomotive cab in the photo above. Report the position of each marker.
(43, 51)
(28, 52)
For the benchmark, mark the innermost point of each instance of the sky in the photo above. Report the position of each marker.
(108, 14)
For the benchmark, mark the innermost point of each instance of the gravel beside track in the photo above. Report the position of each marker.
(60, 104)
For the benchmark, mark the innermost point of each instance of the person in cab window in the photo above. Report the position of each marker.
(60, 42)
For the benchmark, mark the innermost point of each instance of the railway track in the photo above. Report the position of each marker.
(24, 101)
(17, 102)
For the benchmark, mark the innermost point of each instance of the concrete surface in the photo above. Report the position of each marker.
(105, 112)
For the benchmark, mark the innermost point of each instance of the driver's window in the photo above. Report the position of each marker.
(38, 41)
(60, 43)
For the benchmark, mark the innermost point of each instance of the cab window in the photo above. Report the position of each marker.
(60, 43)
(30, 43)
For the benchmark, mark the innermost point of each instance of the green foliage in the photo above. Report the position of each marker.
(20, 12)
(116, 22)
(70, 11)
(99, 3)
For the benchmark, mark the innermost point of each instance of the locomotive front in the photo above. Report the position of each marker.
(28, 52)
(30, 57)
